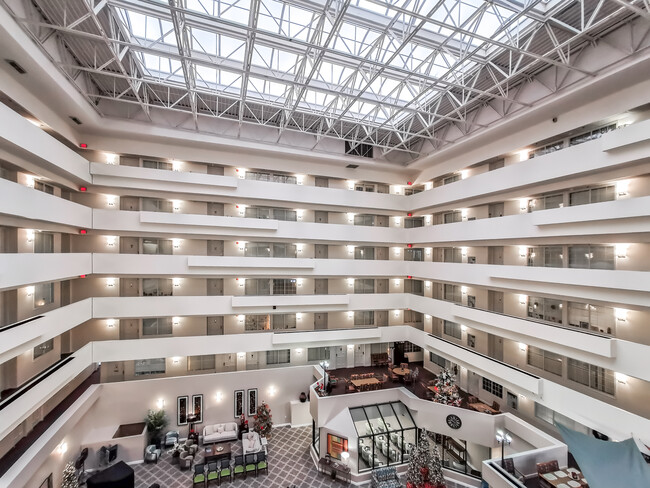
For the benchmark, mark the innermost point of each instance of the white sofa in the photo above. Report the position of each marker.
(251, 443)
(220, 433)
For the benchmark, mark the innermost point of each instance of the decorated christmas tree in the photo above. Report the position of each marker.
(69, 477)
(263, 422)
(425, 469)
(445, 389)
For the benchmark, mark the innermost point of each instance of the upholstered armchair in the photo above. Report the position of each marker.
(190, 447)
(151, 454)
(185, 460)
(171, 438)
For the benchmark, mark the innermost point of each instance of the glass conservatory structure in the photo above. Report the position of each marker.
(387, 434)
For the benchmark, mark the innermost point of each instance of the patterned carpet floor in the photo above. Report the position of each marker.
(289, 464)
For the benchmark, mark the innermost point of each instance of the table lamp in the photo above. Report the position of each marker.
(345, 455)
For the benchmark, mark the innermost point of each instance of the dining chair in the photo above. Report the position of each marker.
(239, 467)
(225, 471)
(199, 475)
(262, 463)
(213, 473)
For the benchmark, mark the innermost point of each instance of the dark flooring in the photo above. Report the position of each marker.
(8, 460)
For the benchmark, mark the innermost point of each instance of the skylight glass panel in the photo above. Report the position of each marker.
(266, 90)
(162, 67)
(287, 20)
(148, 27)
(219, 80)
(275, 59)
(354, 39)
(233, 10)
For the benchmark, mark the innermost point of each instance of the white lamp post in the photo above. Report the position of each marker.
(503, 439)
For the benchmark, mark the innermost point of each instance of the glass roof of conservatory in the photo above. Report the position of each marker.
(390, 73)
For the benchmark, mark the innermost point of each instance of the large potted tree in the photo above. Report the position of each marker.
(156, 422)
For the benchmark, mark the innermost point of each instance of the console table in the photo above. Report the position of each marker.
(335, 469)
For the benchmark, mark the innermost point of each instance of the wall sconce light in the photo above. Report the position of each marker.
(241, 355)
(240, 318)
(463, 251)
(350, 281)
(523, 299)
(396, 281)
(110, 323)
(523, 204)
(463, 328)
(110, 200)
(219, 396)
(398, 220)
(176, 360)
(299, 213)
(523, 346)
(241, 245)
(110, 282)
(111, 158)
(176, 165)
(523, 251)
(29, 181)
(160, 403)
(621, 378)
(176, 243)
(110, 241)
(427, 219)
(396, 313)
(300, 179)
(621, 314)
(350, 347)
(300, 247)
(176, 282)
(242, 281)
(299, 351)
(464, 174)
(427, 316)
(298, 316)
(427, 251)
(351, 184)
(621, 187)
(176, 321)
(463, 213)
(62, 448)
(621, 251)
(30, 291)
(272, 390)
(350, 217)
(241, 173)
(427, 284)
(523, 155)
(350, 314)
(30, 235)
(428, 185)
(397, 190)
(350, 248)
(176, 204)
(463, 290)
(397, 250)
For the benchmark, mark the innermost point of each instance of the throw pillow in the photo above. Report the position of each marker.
(220, 429)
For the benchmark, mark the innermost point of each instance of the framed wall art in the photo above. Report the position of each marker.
(252, 402)
(239, 403)
(197, 408)
(182, 410)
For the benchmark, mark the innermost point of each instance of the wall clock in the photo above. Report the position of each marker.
(454, 421)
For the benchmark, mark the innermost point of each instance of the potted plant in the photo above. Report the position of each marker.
(156, 421)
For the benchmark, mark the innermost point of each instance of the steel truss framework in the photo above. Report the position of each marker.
(391, 73)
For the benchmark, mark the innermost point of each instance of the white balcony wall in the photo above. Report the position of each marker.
(21, 202)
(47, 156)
(20, 269)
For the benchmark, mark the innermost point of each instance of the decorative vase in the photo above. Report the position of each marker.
(303, 397)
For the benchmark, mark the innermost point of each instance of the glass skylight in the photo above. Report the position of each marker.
(378, 63)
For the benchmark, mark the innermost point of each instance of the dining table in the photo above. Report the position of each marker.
(401, 371)
(365, 381)
(566, 478)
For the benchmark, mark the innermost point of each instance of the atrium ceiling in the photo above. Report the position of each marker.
(394, 74)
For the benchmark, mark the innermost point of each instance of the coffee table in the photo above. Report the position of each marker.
(212, 455)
